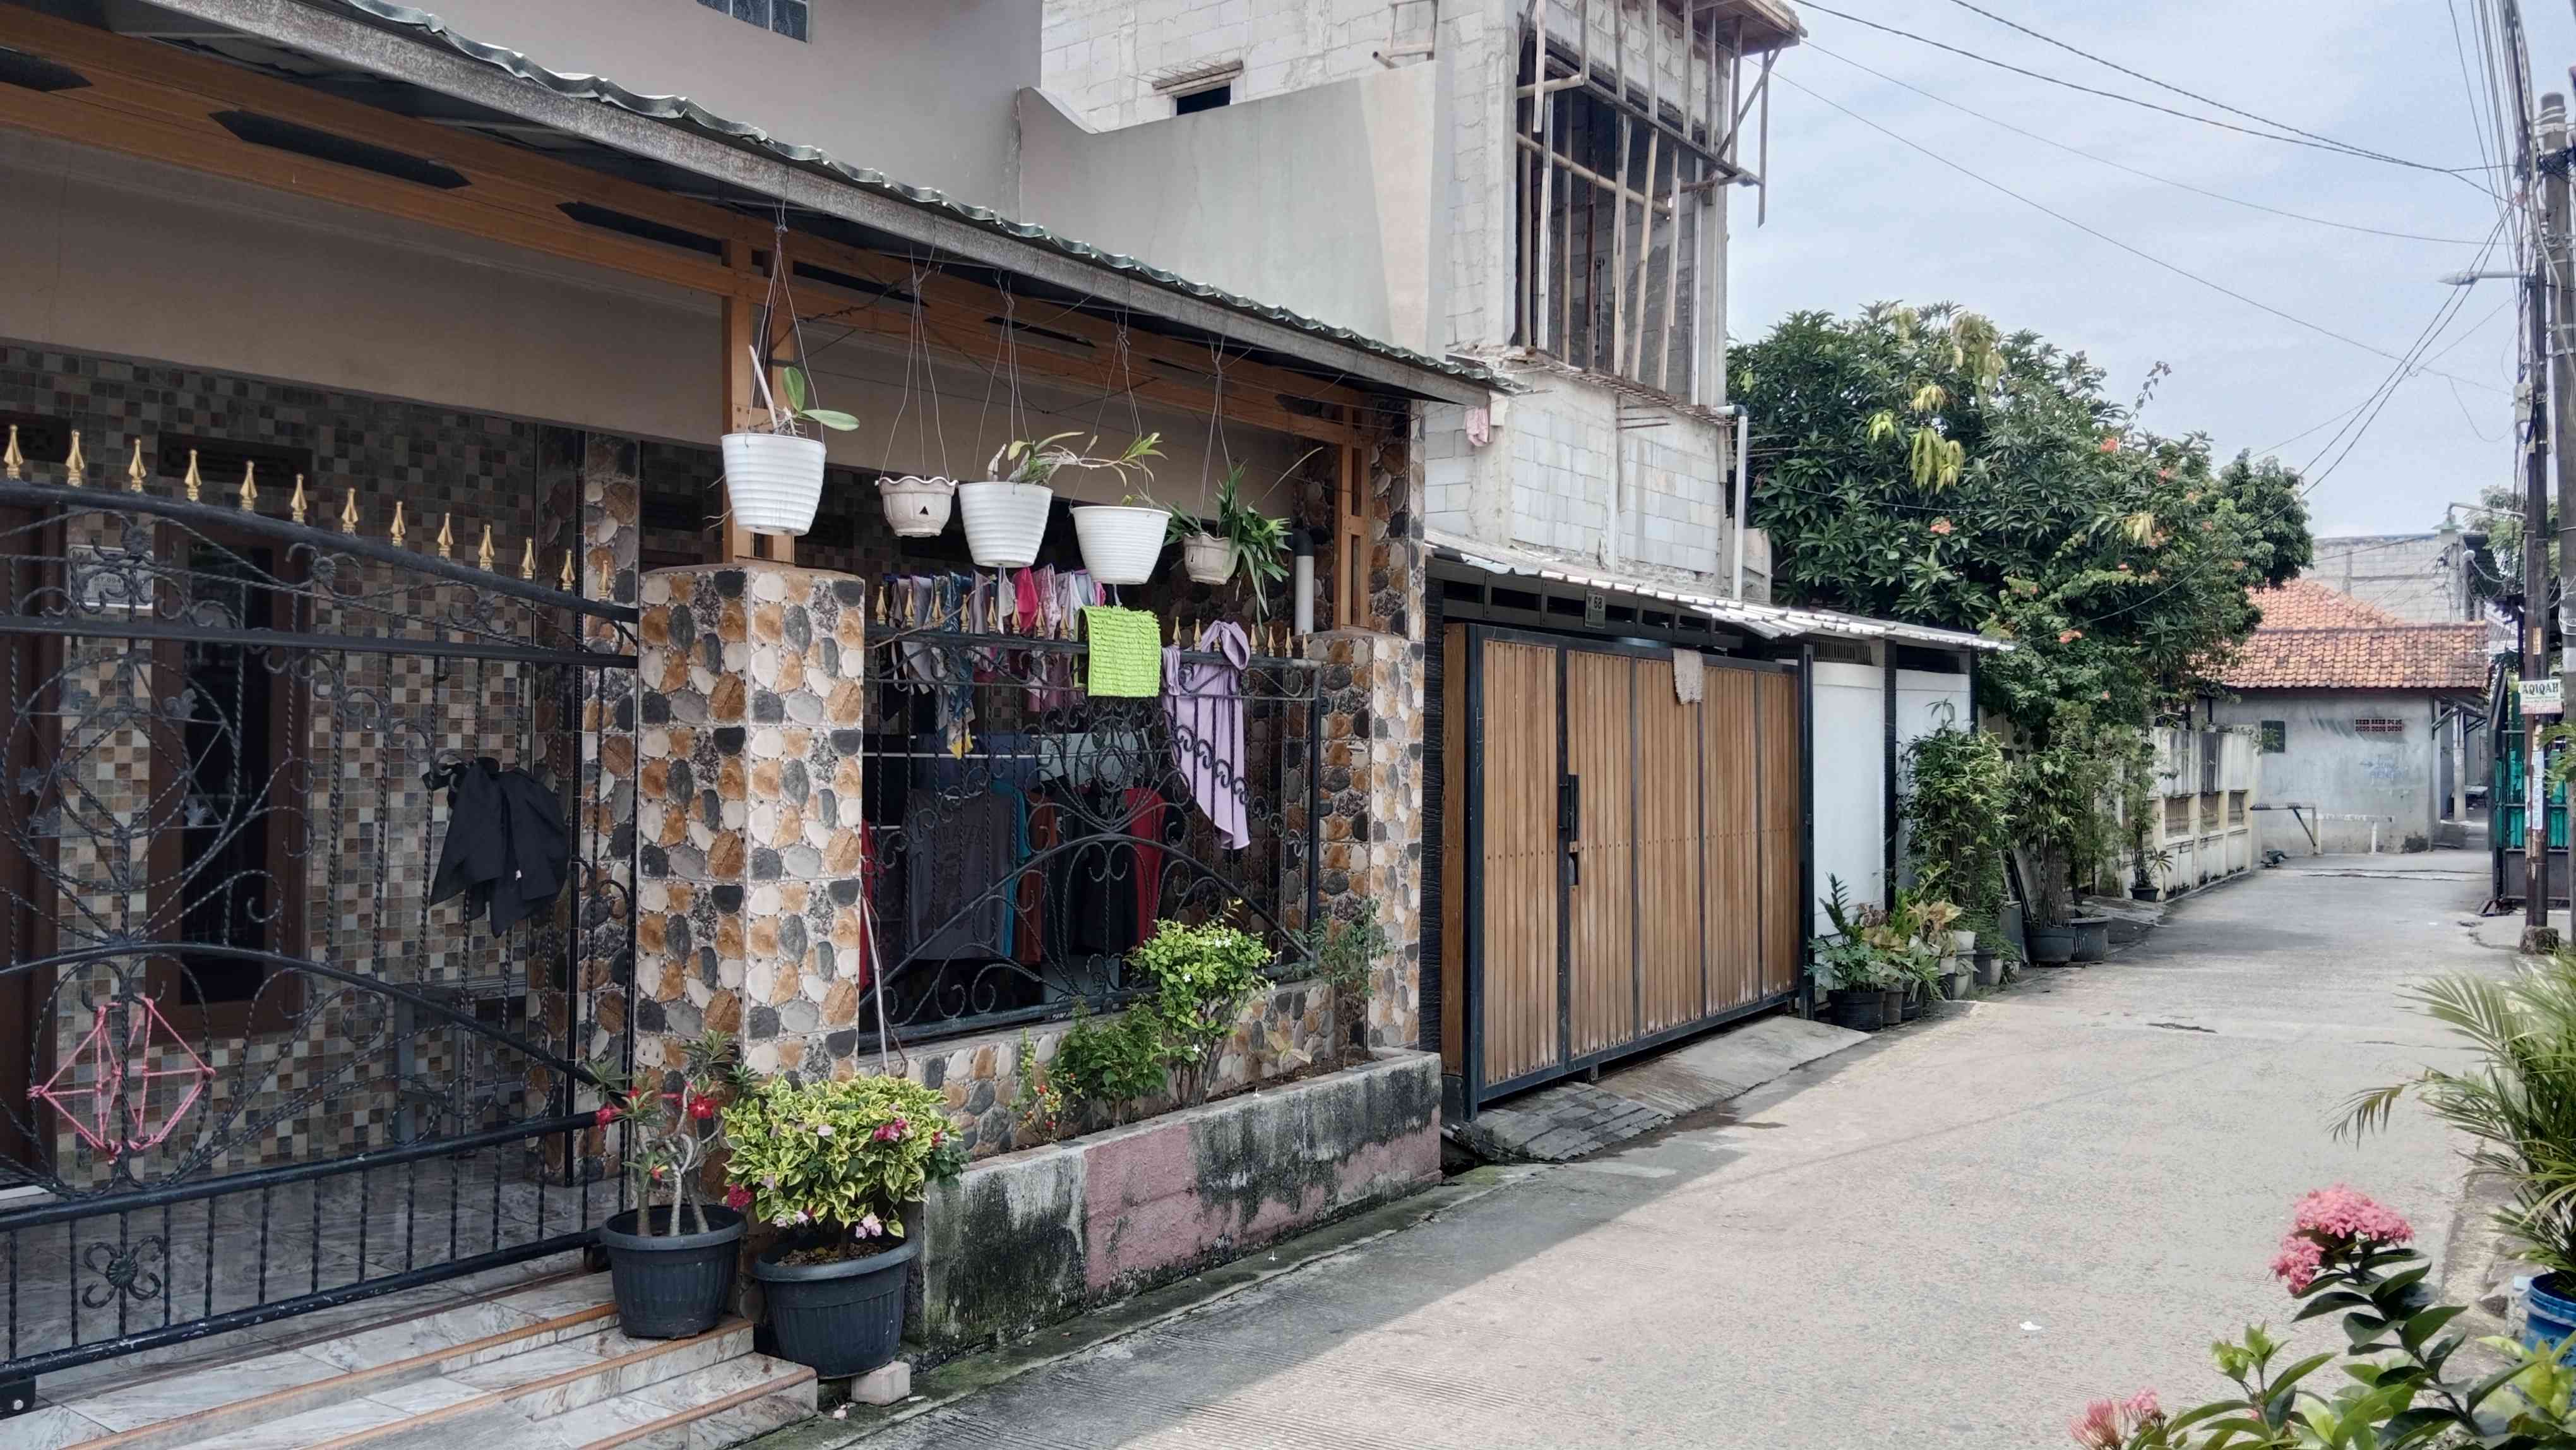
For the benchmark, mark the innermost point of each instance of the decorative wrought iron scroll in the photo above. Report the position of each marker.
(264, 1072)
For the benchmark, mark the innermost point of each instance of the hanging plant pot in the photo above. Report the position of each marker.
(773, 481)
(1208, 558)
(1120, 544)
(1005, 522)
(667, 1285)
(917, 507)
(844, 1317)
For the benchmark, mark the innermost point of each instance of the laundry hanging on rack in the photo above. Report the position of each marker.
(1205, 702)
(506, 849)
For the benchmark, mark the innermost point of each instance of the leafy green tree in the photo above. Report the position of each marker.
(1918, 464)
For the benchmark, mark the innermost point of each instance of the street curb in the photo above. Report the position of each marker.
(970, 1374)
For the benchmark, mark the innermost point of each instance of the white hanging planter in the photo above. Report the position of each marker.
(917, 507)
(1005, 522)
(1120, 544)
(773, 481)
(1208, 558)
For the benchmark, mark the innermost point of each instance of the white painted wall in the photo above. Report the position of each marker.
(2329, 766)
(919, 91)
(1317, 200)
(109, 255)
(1850, 782)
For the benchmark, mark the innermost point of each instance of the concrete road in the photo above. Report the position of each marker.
(1950, 1237)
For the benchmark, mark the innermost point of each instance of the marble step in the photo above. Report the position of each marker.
(508, 1401)
(378, 1363)
(708, 1409)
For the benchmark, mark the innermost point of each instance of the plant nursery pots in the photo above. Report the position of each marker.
(1120, 544)
(2092, 938)
(1005, 522)
(1963, 941)
(917, 507)
(2051, 946)
(2146, 893)
(1859, 1011)
(2549, 1314)
(1891, 1006)
(670, 1286)
(842, 1318)
(1207, 558)
(1983, 968)
(1915, 997)
(1954, 985)
(773, 481)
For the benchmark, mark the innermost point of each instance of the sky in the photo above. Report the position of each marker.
(1857, 215)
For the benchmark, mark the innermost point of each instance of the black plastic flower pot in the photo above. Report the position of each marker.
(2145, 893)
(842, 1318)
(1984, 961)
(2092, 938)
(1891, 1006)
(2051, 946)
(1915, 996)
(1858, 1011)
(670, 1286)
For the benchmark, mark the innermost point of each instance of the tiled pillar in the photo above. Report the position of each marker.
(1372, 809)
(747, 803)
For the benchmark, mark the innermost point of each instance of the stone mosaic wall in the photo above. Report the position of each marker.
(1372, 804)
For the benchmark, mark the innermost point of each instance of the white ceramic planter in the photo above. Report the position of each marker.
(1207, 558)
(1962, 942)
(773, 481)
(1120, 545)
(917, 507)
(1005, 522)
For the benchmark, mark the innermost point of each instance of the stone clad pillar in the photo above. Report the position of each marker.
(1371, 762)
(747, 812)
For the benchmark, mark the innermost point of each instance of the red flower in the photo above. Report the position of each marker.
(2111, 444)
(737, 1198)
(1940, 526)
(607, 1115)
(702, 1108)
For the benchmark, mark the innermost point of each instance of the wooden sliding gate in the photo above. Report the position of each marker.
(1618, 868)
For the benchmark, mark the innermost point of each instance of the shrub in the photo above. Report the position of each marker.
(1957, 818)
(839, 1160)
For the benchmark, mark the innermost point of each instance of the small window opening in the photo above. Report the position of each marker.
(1206, 100)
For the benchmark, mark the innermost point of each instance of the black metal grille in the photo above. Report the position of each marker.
(1025, 833)
(261, 1071)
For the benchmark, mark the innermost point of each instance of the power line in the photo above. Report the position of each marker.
(2219, 287)
(2177, 90)
(2134, 171)
(2335, 147)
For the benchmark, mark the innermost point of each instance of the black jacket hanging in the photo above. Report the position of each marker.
(506, 847)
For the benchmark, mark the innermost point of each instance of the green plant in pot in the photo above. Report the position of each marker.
(1243, 536)
(2058, 787)
(1864, 983)
(671, 1259)
(836, 1167)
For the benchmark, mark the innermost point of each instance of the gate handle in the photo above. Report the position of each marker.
(1569, 824)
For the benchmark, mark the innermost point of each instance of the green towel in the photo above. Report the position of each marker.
(1126, 651)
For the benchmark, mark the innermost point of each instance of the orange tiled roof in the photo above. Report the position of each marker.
(2315, 638)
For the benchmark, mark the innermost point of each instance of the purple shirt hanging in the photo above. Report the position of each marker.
(1205, 701)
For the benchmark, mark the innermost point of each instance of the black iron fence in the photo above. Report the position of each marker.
(1026, 833)
(248, 1067)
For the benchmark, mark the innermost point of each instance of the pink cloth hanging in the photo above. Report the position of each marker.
(1205, 701)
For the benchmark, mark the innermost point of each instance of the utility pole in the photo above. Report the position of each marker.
(2560, 260)
(2537, 934)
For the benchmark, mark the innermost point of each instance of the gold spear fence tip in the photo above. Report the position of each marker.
(135, 472)
(75, 463)
(446, 535)
(349, 513)
(11, 460)
(250, 487)
(194, 480)
(565, 580)
(528, 561)
(483, 555)
(399, 530)
(295, 505)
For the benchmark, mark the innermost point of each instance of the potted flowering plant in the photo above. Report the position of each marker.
(833, 1166)
(1863, 980)
(671, 1264)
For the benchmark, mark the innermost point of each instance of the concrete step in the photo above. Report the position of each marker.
(166, 1407)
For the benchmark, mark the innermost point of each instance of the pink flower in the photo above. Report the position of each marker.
(869, 1227)
(607, 1115)
(2330, 1223)
(889, 1132)
(2069, 636)
(737, 1198)
(702, 1108)
(1940, 526)
(2108, 1424)
(822, 1130)
(2339, 1212)
(2111, 444)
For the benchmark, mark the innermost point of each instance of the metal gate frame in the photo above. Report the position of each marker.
(122, 1214)
(1477, 1092)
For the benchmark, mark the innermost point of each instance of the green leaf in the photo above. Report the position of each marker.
(791, 382)
(833, 419)
(2423, 1326)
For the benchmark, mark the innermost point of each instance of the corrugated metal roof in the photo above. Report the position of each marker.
(1771, 621)
(681, 111)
